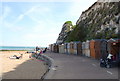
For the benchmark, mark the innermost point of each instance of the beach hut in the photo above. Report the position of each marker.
(92, 50)
(87, 48)
(78, 48)
(95, 49)
(98, 49)
(71, 47)
(103, 47)
(56, 48)
(65, 48)
(50, 47)
(75, 48)
(68, 48)
(83, 48)
(61, 48)
(114, 47)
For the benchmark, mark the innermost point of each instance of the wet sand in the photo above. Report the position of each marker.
(24, 68)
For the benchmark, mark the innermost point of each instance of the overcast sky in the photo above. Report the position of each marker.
(37, 23)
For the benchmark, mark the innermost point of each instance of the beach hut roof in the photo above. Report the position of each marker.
(77, 41)
(113, 40)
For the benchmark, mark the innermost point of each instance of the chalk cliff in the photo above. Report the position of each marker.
(99, 21)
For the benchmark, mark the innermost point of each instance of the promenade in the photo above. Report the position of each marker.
(78, 67)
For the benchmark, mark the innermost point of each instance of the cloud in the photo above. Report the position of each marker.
(40, 13)
(42, 39)
(33, 13)
(46, 30)
(11, 26)
(5, 15)
(43, 34)
(20, 17)
(5, 12)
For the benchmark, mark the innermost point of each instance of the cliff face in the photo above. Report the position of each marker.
(66, 28)
(100, 21)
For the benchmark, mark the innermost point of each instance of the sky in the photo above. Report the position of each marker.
(26, 23)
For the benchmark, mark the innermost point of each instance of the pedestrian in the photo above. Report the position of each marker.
(39, 54)
(37, 49)
(45, 50)
(109, 57)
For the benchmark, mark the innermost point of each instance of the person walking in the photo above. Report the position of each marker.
(37, 48)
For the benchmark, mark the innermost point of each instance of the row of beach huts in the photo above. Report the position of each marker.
(97, 48)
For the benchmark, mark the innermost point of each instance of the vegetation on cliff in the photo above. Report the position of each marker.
(66, 28)
(101, 23)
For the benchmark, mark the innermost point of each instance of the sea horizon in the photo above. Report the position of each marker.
(17, 48)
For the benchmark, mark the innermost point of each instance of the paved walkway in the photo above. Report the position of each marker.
(78, 67)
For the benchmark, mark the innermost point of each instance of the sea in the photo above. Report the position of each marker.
(16, 48)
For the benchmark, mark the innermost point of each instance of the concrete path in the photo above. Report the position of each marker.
(78, 67)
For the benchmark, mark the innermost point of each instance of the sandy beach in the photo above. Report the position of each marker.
(24, 68)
